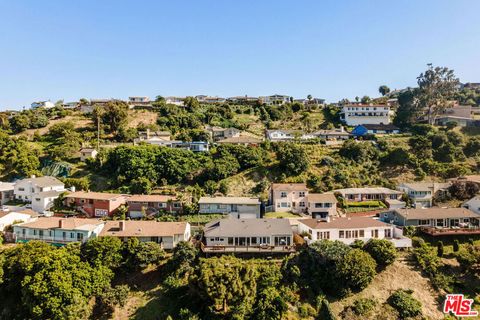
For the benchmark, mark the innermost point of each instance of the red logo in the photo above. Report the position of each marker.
(459, 306)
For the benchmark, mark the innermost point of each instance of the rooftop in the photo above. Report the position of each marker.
(151, 198)
(6, 186)
(371, 190)
(322, 197)
(289, 187)
(68, 223)
(229, 200)
(43, 181)
(248, 227)
(426, 186)
(241, 139)
(380, 127)
(343, 223)
(134, 228)
(436, 213)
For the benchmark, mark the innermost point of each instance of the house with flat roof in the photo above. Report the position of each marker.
(332, 134)
(288, 197)
(178, 101)
(135, 102)
(95, 204)
(39, 191)
(237, 207)
(347, 230)
(58, 231)
(6, 192)
(423, 194)
(248, 236)
(88, 153)
(140, 205)
(436, 221)
(167, 234)
(321, 205)
(243, 99)
(354, 115)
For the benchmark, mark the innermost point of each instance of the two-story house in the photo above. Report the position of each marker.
(58, 231)
(422, 194)
(262, 236)
(140, 205)
(276, 99)
(347, 230)
(39, 191)
(237, 207)
(354, 115)
(6, 192)
(288, 197)
(168, 234)
(321, 205)
(95, 204)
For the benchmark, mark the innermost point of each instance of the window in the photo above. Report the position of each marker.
(283, 194)
(34, 232)
(230, 241)
(362, 233)
(285, 204)
(341, 234)
(21, 189)
(323, 235)
(318, 205)
(176, 204)
(375, 233)
(301, 194)
(388, 233)
(301, 204)
(79, 236)
(423, 222)
(37, 199)
(72, 235)
(254, 240)
(64, 235)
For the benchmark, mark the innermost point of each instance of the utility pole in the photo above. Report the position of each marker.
(98, 132)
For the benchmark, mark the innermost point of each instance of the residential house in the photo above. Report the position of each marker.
(242, 140)
(209, 99)
(6, 192)
(282, 135)
(276, 99)
(42, 105)
(473, 204)
(58, 231)
(243, 99)
(354, 115)
(140, 205)
(321, 205)
(195, 146)
(364, 129)
(178, 101)
(237, 207)
(95, 204)
(218, 133)
(148, 134)
(473, 178)
(248, 236)
(168, 234)
(422, 194)
(436, 221)
(88, 153)
(39, 191)
(348, 230)
(286, 197)
(461, 115)
(8, 218)
(333, 134)
(70, 105)
(139, 102)
(369, 194)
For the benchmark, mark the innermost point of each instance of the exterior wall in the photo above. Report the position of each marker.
(96, 208)
(54, 235)
(24, 189)
(286, 201)
(85, 155)
(10, 218)
(322, 209)
(348, 236)
(41, 204)
(357, 197)
(280, 136)
(357, 115)
(473, 205)
(420, 199)
(6, 196)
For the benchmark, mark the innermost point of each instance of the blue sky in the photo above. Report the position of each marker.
(58, 49)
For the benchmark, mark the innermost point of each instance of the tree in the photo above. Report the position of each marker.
(366, 99)
(191, 103)
(325, 312)
(472, 147)
(440, 249)
(292, 159)
(138, 255)
(113, 115)
(270, 305)
(456, 245)
(436, 87)
(141, 185)
(396, 157)
(183, 257)
(114, 296)
(382, 250)
(384, 90)
(358, 151)
(103, 251)
(463, 190)
(407, 112)
(357, 268)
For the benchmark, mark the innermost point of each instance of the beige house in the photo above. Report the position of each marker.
(321, 205)
(422, 194)
(288, 197)
(218, 133)
(237, 207)
(87, 153)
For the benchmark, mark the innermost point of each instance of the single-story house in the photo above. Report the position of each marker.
(347, 230)
(87, 153)
(218, 133)
(168, 234)
(140, 205)
(8, 218)
(364, 129)
(58, 231)
(369, 193)
(333, 134)
(242, 140)
(237, 207)
(95, 204)
(248, 235)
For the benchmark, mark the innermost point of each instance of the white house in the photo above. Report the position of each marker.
(285, 197)
(87, 153)
(321, 205)
(473, 204)
(178, 101)
(354, 115)
(7, 218)
(6, 192)
(276, 99)
(347, 230)
(42, 104)
(237, 207)
(282, 135)
(39, 191)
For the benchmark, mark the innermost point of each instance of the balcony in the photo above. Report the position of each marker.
(247, 249)
(439, 231)
(58, 240)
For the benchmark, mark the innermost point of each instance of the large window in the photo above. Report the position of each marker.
(323, 235)
(341, 234)
(283, 194)
(301, 194)
(423, 222)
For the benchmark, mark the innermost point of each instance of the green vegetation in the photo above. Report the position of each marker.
(406, 305)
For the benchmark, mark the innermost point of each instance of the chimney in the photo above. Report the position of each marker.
(122, 225)
(342, 129)
(60, 223)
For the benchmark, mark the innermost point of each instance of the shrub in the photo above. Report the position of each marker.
(382, 250)
(456, 245)
(406, 305)
(357, 269)
(305, 310)
(326, 312)
(114, 296)
(363, 306)
(440, 249)
(427, 260)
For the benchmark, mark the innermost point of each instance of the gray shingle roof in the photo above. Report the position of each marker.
(247, 227)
